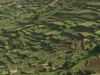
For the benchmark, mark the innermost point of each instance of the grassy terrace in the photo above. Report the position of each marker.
(49, 37)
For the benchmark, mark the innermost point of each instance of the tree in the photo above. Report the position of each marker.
(92, 39)
(95, 51)
(79, 41)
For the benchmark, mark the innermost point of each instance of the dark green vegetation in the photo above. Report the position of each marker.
(49, 37)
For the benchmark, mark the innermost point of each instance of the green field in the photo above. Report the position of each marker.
(49, 37)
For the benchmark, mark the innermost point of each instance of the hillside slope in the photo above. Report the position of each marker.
(56, 37)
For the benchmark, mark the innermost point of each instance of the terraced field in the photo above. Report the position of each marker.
(49, 37)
